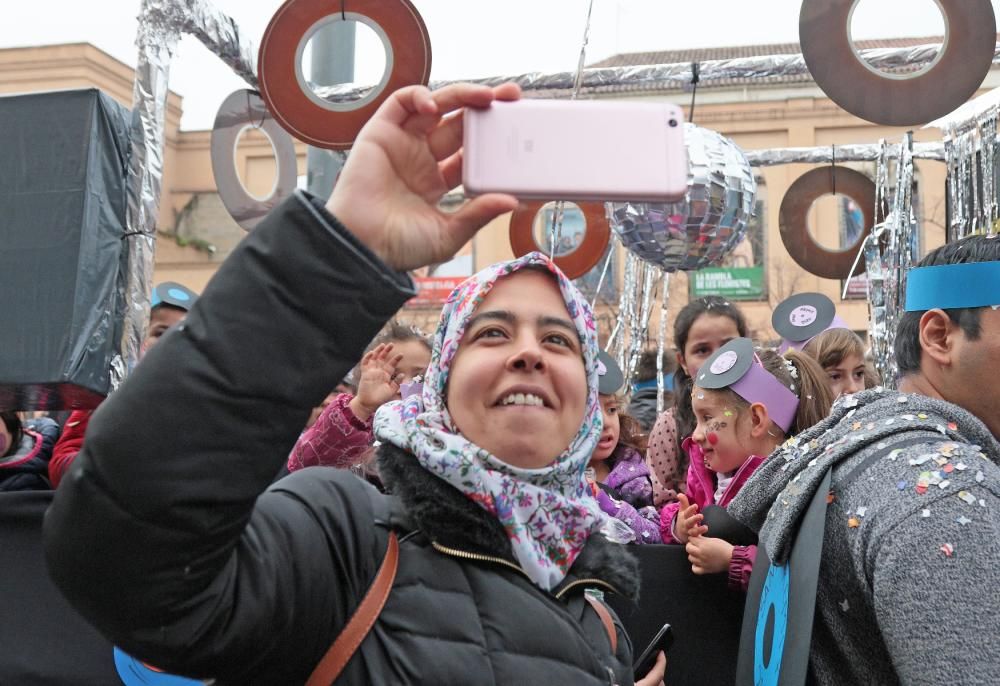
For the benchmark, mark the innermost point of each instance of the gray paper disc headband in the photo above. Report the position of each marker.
(609, 375)
(736, 366)
(802, 317)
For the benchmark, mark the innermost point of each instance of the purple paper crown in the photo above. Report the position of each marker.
(737, 367)
(760, 386)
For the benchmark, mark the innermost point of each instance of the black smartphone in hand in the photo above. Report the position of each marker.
(662, 641)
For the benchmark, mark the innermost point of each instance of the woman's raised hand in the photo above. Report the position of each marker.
(379, 381)
(404, 160)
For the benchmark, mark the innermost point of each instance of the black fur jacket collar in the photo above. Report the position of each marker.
(446, 516)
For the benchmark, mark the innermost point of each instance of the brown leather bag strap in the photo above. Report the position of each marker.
(606, 620)
(361, 622)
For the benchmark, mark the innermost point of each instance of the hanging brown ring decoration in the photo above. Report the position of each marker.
(576, 263)
(314, 120)
(898, 100)
(794, 219)
(244, 109)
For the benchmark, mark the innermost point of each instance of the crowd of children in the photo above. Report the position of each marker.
(700, 451)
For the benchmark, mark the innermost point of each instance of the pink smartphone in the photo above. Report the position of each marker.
(576, 150)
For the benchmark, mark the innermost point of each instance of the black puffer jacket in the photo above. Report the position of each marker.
(168, 545)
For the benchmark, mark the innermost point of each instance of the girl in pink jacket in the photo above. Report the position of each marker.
(746, 404)
(342, 435)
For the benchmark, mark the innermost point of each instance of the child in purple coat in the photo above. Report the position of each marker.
(620, 477)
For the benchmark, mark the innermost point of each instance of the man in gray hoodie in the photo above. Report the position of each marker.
(909, 580)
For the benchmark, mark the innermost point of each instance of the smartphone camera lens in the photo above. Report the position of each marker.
(673, 123)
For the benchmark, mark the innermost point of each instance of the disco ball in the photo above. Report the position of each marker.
(708, 223)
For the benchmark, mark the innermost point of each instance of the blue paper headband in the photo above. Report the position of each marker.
(953, 286)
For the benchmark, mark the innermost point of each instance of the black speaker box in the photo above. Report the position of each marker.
(63, 260)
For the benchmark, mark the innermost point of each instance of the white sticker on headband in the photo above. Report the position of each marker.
(724, 362)
(803, 315)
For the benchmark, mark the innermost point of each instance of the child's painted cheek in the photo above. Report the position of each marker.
(713, 438)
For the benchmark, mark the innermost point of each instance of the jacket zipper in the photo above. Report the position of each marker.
(580, 582)
(476, 556)
(498, 560)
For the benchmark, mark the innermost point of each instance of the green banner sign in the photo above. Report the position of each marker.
(738, 283)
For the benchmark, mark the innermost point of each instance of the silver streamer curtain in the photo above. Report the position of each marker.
(888, 252)
(643, 284)
(973, 177)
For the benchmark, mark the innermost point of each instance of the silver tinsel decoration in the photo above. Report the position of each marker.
(161, 24)
(625, 300)
(612, 253)
(156, 39)
(864, 152)
(711, 220)
(661, 341)
(971, 156)
(629, 337)
(671, 76)
(888, 254)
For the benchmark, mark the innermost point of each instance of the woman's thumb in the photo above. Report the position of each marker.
(476, 214)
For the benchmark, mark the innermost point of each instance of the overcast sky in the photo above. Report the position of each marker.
(469, 38)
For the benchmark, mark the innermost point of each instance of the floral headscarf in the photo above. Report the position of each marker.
(548, 513)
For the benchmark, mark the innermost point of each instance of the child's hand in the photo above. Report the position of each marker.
(709, 555)
(687, 521)
(608, 504)
(379, 382)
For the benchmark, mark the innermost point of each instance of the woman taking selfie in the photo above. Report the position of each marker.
(177, 552)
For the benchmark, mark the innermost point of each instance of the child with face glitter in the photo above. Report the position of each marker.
(746, 404)
(702, 327)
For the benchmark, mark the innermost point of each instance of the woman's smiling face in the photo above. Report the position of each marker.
(518, 386)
